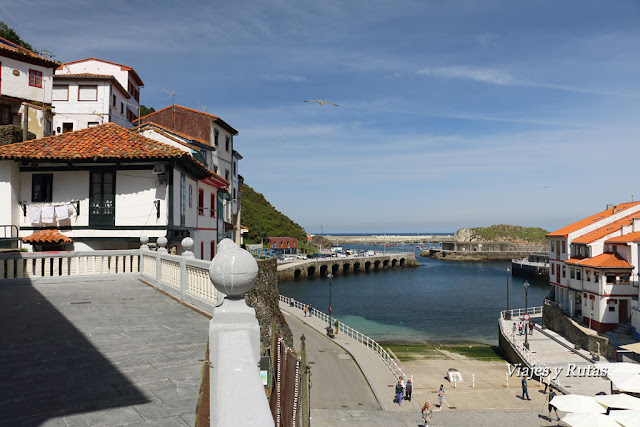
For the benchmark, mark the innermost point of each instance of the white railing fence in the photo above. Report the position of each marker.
(506, 329)
(368, 342)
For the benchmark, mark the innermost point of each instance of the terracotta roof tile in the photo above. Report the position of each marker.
(12, 47)
(604, 260)
(601, 232)
(627, 238)
(47, 236)
(590, 220)
(104, 142)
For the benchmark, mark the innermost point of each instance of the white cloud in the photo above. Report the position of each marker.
(484, 75)
(291, 78)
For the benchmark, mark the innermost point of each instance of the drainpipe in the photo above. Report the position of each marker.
(25, 121)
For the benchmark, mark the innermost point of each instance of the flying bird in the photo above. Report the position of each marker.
(321, 102)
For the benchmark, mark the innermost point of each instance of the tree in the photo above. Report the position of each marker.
(146, 110)
(9, 34)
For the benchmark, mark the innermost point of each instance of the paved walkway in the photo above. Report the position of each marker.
(336, 380)
(378, 375)
(557, 352)
(98, 353)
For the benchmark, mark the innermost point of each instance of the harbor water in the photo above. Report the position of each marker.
(439, 301)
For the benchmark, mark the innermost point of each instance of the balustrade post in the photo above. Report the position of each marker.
(236, 392)
(187, 244)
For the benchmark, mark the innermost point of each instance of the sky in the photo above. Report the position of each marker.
(451, 113)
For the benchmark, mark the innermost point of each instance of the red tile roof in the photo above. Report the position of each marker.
(47, 236)
(627, 238)
(27, 56)
(590, 220)
(601, 232)
(604, 260)
(89, 76)
(122, 67)
(104, 142)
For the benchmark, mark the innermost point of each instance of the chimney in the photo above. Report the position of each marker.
(635, 225)
(609, 206)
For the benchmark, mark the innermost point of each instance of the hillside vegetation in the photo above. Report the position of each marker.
(264, 220)
(511, 233)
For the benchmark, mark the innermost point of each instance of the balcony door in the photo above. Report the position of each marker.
(102, 199)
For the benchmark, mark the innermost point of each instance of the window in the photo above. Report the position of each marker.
(564, 246)
(612, 308)
(215, 169)
(215, 137)
(592, 302)
(87, 93)
(60, 93)
(213, 248)
(226, 174)
(201, 250)
(121, 108)
(190, 195)
(201, 202)
(596, 277)
(204, 156)
(572, 273)
(564, 271)
(5, 114)
(41, 186)
(35, 78)
(234, 194)
(92, 124)
(67, 127)
(624, 279)
(551, 245)
(578, 274)
(227, 142)
(213, 205)
(113, 101)
(588, 275)
(611, 279)
(233, 168)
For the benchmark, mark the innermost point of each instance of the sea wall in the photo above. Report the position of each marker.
(472, 256)
(264, 299)
(553, 318)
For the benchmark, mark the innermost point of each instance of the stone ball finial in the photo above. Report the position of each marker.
(187, 243)
(233, 271)
(144, 239)
(161, 242)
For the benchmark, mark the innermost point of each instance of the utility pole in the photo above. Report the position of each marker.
(306, 371)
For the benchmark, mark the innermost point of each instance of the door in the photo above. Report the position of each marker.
(102, 198)
(624, 313)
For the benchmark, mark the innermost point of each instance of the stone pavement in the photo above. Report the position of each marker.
(378, 375)
(556, 351)
(98, 353)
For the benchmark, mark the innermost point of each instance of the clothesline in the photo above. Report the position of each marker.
(45, 212)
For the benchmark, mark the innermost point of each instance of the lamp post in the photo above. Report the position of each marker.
(330, 276)
(507, 314)
(526, 311)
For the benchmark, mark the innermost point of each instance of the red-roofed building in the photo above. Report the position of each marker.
(283, 245)
(593, 267)
(223, 159)
(25, 79)
(92, 91)
(102, 188)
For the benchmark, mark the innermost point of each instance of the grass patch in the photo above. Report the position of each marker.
(409, 352)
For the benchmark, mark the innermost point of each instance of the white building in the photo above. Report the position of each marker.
(212, 191)
(99, 188)
(593, 266)
(26, 79)
(92, 91)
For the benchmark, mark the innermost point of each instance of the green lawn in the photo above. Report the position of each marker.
(408, 352)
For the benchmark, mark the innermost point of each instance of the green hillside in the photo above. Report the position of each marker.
(264, 220)
(511, 233)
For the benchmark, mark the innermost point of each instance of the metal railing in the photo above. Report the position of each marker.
(359, 337)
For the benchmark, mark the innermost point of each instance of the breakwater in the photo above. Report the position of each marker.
(321, 267)
(386, 238)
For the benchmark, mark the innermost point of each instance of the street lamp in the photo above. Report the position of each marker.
(507, 314)
(526, 311)
(330, 276)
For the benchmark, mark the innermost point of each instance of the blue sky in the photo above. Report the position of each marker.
(452, 113)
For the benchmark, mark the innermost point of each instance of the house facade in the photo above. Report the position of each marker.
(92, 91)
(26, 81)
(212, 191)
(99, 188)
(221, 156)
(593, 267)
(283, 245)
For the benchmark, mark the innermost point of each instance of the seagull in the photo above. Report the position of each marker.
(322, 102)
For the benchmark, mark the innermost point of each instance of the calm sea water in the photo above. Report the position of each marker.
(438, 301)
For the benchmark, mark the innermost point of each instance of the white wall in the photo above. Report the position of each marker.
(18, 85)
(9, 183)
(190, 212)
(136, 192)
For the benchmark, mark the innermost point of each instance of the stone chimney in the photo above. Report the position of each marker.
(635, 225)
(609, 206)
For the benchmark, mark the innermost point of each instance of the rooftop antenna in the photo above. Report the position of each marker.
(202, 107)
(172, 94)
(45, 53)
(631, 197)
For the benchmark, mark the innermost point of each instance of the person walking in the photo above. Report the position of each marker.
(520, 326)
(531, 326)
(547, 382)
(399, 393)
(515, 328)
(524, 388)
(408, 389)
(440, 395)
(427, 413)
(549, 398)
